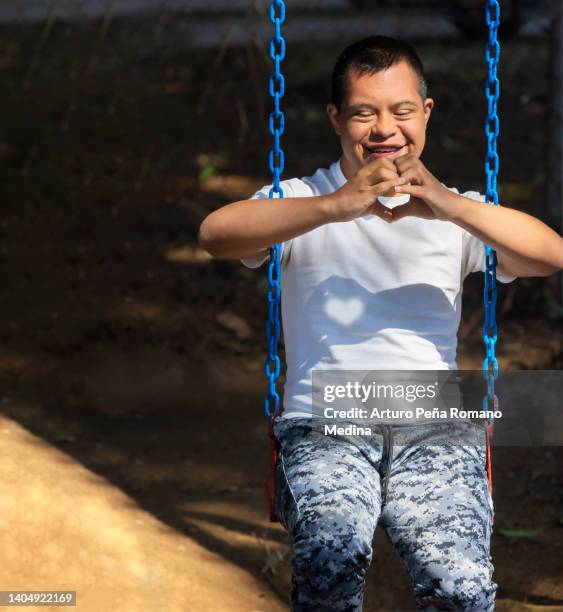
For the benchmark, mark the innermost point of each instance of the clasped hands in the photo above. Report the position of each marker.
(358, 197)
(381, 176)
(429, 199)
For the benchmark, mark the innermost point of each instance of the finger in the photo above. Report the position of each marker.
(412, 175)
(381, 211)
(404, 157)
(405, 210)
(414, 190)
(415, 207)
(412, 169)
(408, 161)
(383, 174)
(380, 161)
(408, 169)
(380, 165)
(388, 186)
(408, 158)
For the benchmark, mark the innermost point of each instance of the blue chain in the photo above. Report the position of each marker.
(492, 89)
(276, 160)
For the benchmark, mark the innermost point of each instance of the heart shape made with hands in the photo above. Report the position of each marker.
(403, 205)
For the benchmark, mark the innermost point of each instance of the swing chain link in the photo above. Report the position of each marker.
(276, 162)
(492, 91)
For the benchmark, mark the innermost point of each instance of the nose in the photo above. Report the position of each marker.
(384, 126)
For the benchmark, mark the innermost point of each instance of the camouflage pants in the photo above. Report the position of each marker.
(425, 484)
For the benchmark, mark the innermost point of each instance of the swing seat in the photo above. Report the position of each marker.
(276, 162)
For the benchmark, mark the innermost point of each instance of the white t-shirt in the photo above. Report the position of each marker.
(369, 295)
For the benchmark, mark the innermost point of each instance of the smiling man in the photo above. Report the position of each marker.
(369, 284)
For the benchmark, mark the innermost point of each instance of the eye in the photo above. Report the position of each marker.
(406, 112)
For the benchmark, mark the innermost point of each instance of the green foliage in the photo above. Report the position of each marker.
(207, 171)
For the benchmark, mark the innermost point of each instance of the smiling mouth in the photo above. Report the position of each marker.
(383, 151)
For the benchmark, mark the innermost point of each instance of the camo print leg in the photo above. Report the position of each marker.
(335, 500)
(438, 515)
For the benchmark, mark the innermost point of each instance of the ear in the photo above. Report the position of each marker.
(334, 117)
(428, 106)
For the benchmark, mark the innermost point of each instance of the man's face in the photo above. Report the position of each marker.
(378, 110)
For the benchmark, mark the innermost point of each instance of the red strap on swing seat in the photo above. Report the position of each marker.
(488, 466)
(270, 485)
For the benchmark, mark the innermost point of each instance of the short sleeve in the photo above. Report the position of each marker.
(261, 194)
(473, 249)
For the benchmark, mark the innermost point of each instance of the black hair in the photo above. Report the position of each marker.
(371, 55)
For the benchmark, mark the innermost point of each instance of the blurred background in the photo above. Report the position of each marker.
(133, 438)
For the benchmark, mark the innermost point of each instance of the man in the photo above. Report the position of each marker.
(369, 286)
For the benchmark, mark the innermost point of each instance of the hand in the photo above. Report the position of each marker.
(429, 198)
(358, 197)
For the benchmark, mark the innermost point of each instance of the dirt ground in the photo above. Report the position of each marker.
(133, 439)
